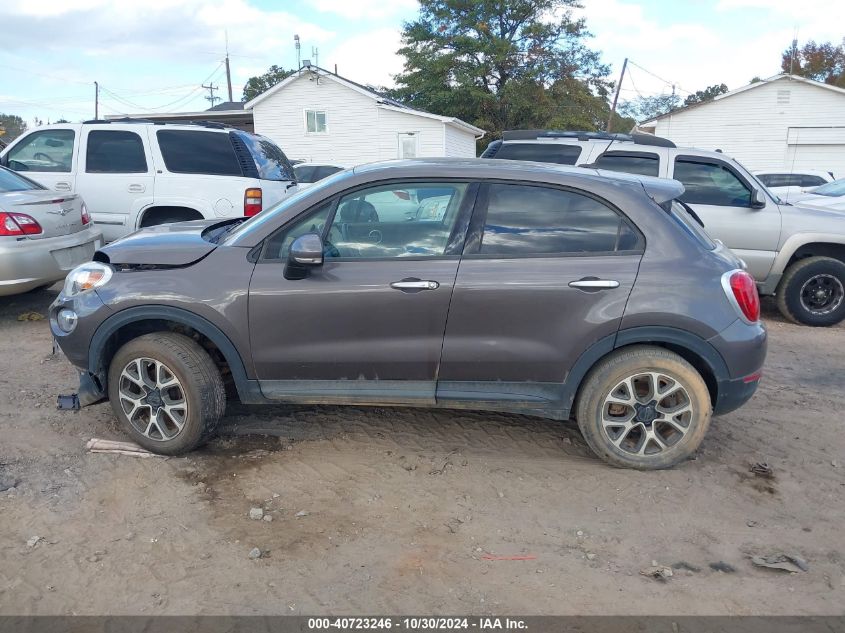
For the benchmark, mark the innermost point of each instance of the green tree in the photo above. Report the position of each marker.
(262, 83)
(645, 108)
(708, 94)
(12, 125)
(822, 62)
(503, 65)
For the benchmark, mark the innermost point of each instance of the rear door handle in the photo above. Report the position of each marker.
(62, 186)
(137, 188)
(594, 284)
(414, 285)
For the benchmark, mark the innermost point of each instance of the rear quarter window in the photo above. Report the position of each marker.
(198, 152)
(269, 158)
(689, 224)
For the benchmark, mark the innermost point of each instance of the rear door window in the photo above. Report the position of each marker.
(558, 153)
(115, 152)
(524, 220)
(198, 152)
(711, 183)
(643, 164)
(44, 151)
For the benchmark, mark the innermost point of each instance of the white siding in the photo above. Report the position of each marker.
(459, 143)
(359, 130)
(390, 124)
(767, 127)
(351, 120)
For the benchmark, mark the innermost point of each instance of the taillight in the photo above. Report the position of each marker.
(17, 224)
(742, 291)
(252, 202)
(86, 219)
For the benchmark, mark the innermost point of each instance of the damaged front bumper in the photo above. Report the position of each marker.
(90, 311)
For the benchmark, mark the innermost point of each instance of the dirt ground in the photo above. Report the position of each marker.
(393, 511)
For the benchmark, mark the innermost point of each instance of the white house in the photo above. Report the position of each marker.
(317, 116)
(784, 121)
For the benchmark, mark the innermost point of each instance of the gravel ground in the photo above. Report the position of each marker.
(395, 511)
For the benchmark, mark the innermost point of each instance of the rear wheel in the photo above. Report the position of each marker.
(167, 392)
(645, 408)
(812, 292)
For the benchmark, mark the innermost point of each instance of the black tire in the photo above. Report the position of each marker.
(828, 275)
(200, 387)
(602, 382)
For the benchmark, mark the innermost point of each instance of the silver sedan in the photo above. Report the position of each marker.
(43, 234)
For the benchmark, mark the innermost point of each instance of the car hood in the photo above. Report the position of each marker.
(827, 203)
(179, 244)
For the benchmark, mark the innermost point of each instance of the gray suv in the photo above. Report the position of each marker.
(471, 284)
(794, 252)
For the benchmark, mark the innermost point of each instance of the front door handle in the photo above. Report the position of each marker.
(62, 186)
(592, 284)
(414, 285)
(137, 188)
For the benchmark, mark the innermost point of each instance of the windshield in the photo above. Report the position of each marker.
(274, 212)
(10, 181)
(833, 189)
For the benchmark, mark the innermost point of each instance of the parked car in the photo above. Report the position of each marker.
(795, 253)
(133, 173)
(830, 196)
(790, 186)
(309, 173)
(541, 291)
(43, 235)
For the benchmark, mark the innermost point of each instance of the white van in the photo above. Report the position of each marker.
(134, 173)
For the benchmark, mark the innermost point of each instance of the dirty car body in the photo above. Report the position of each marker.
(341, 294)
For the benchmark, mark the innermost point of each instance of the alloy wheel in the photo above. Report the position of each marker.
(153, 399)
(822, 294)
(647, 413)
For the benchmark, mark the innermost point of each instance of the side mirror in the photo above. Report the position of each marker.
(305, 252)
(758, 199)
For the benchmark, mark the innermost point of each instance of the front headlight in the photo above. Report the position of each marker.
(86, 277)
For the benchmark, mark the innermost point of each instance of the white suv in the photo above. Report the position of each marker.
(135, 173)
(796, 253)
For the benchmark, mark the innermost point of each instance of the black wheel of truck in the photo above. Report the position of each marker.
(167, 392)
(812, 292)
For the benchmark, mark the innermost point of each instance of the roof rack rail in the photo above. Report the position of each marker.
(637, 137)
(210, 124)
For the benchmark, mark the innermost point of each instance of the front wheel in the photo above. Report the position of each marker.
(167, 392)
(812, 292)
(645, 408)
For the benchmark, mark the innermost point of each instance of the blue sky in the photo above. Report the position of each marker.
(153, 55)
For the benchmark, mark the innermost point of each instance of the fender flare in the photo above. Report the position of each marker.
(248, 390)
(796, 241)
(645, 335)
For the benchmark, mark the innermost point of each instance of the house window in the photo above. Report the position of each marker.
(408, 145)
(315, 122)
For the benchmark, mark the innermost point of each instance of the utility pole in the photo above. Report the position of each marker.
(616, 95)
(96, 101)
(228, 72)
(211, 88)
